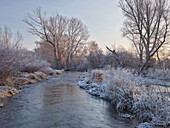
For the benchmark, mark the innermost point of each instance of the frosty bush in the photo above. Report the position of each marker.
(13, 58)
(130, 96)
(10, 61)
(32, 63)
(125, 91)
(152, 106)
(97, 76)
(84, 66)
(121, 89)
(35, 66)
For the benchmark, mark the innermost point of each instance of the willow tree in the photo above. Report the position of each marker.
(146, 25)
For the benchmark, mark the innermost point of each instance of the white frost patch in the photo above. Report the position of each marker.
(127, 116)
(145, 125)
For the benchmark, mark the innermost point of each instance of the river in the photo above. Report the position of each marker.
(59, 103)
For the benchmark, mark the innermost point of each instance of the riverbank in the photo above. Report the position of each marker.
(127, 92)
(23, 78)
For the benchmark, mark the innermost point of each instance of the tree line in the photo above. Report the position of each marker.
(64, 40)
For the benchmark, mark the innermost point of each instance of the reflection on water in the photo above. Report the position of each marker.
(58, 103)
(158, 88)
(161, 89)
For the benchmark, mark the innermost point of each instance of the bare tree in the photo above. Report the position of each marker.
(7, 38)
(10, 58)
(66, 36)
(49, 29)
(146, 25)
(77, 36)
(116, 56)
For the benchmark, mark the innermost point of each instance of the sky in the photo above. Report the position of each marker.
(103, 18)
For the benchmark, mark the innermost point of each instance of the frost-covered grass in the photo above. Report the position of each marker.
(127, 93)
(163, 74)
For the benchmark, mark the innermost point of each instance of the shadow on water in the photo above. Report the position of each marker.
(58, 103)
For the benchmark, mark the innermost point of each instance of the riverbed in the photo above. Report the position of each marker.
(60, 103)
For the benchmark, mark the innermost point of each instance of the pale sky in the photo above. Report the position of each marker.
(103, 18)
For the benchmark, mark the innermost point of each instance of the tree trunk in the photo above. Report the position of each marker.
(145, 64)
(141, 59)
(55, 58)
(59, 61)
(148, 57)
(71, 59)
(159, 60)
(67, 61)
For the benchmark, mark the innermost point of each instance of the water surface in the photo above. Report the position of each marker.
(59, 103)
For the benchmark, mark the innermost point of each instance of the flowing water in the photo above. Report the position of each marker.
(59, 103)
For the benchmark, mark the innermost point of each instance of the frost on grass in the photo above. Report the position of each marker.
(128, 94)
(145, 125)
(162, 74)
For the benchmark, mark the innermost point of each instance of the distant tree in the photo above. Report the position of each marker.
(146, 25)
(95, 56)
(93, 46)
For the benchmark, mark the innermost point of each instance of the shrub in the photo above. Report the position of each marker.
(130, 96)
(10, 61)
(126, 91)
(97, 76)
(35, 66)
(32, 63)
